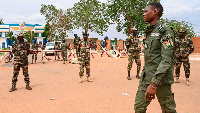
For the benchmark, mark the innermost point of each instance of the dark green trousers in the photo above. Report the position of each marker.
(164, 96)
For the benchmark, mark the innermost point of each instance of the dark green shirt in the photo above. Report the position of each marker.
(158, 55)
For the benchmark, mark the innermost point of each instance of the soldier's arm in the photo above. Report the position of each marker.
(13, 48)
(28, 49)
(167, 55)
(191, 46)
(128, 42)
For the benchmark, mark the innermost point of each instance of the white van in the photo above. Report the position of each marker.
(49, 46)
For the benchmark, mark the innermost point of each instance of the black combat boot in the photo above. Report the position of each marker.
(14, 81)
(129, 78)
(137, 76)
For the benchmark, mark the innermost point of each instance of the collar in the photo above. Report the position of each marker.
(150, 28)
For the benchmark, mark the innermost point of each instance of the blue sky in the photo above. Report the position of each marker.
(17, 11)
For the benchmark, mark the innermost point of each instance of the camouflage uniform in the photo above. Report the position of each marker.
(64, 52)
(134, 54)
(95, 45)
(35, 47)
(20, 51)
(76, 45)
(84, 58)
(56, 47)
(184, 47)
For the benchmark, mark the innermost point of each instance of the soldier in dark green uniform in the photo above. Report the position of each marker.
(84, 58)
(134, 52)
(157, 74)
(76, 46)
(184, 47)
(20, 50)
(35, 47)
(56, 47)
(64, 48)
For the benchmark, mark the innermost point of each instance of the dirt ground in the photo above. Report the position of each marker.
(110, 92)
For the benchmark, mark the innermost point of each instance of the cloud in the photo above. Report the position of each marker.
(172, 8)
(197, 9)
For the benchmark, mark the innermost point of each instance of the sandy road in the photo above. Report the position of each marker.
(105, 95)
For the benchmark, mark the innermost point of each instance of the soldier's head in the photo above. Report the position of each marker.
(85, 36)
(182, 33)
(20, 37)
(134, 31)
(75, 35)
(63, 40)
(152, 12)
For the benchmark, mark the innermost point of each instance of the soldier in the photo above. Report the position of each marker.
(157, 74)
(64, 51)
(184, 47)
(95, 45)
(134, 52)
(76, 41)
(84, 58)
(56, 47)
(35, 47)
(21, 50)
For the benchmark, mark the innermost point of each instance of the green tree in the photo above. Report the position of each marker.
(1, 21)
(50, 12)
(12, 37)
(46, 30)
(127, 14)
(89, 15)
(64, 23)
(177, 25)
(30, 36)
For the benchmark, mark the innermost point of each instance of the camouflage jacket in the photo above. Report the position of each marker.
(84, 49)
(35, 46)
(132, 45)
(64, 47)
(158, 55)
(56, 47)
(183, 46)
(76, 41)
(21, 52)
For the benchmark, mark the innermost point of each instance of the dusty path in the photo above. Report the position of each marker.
(56, 80)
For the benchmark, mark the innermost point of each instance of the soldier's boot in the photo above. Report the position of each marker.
(137, 76)
(35, 61)
(177, 80)
(28, 87)
(63, 61)
(129, 78)
(55, 57)
(88, 78)
(80, 80)
(187, 82)
(32, 62)
(13, 88)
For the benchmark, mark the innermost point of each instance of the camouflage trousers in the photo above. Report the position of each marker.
(34, 54)
(56, 54)
(64, 56)
(137, 61)
(186, 66)
(77, 51)
(84, 63)
(16, 73)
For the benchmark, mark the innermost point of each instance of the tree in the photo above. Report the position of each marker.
(29, 37)
(89, 15)
(50, 12)
(46, 30)
(64, 23)
(1, 21)
(127, 14)
(12, 37)
(177, 25)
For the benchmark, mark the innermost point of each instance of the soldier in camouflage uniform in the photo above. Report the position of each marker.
(134, 52)
(184, 47)
(56, 47)
(21, 50)
(35, 47)
(84, 58)
(95, 45)
(76, 46)
(64, 48)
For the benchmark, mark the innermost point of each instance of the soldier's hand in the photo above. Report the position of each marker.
(150, 92)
